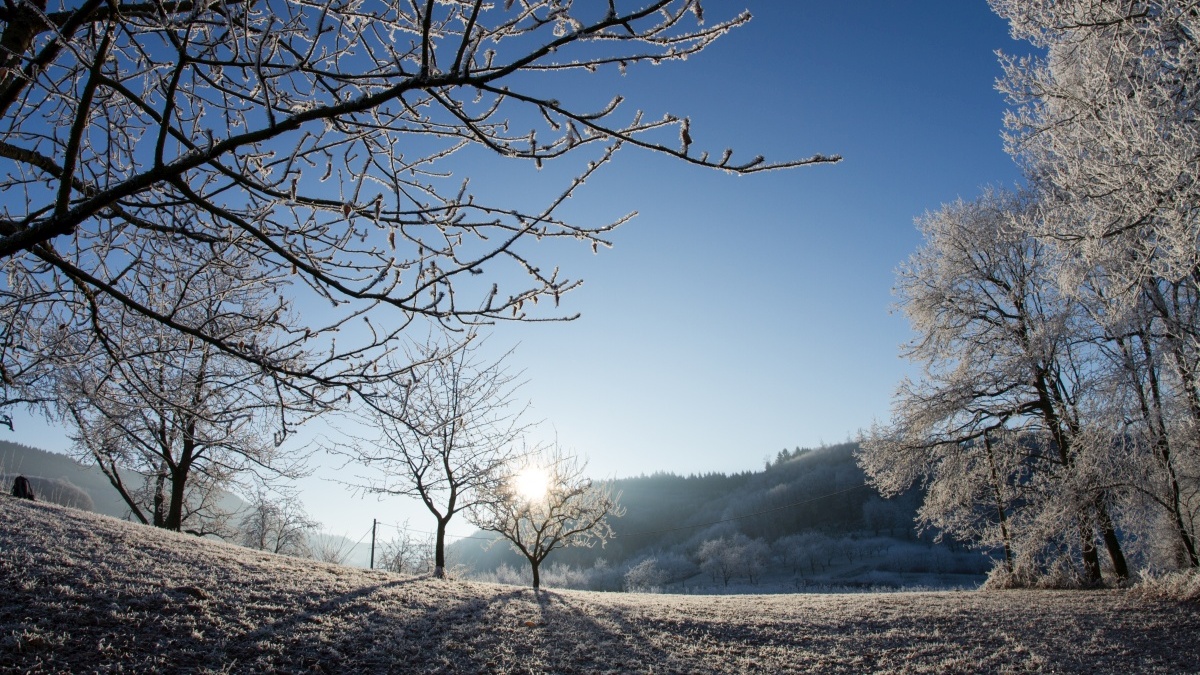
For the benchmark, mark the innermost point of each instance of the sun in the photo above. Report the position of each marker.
(531, 483)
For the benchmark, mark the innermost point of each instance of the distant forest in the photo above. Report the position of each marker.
(807, 520)
(810, 512)
(60, 479)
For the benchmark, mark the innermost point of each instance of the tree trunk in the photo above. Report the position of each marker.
(1049, 403)
(1186, 374)
(1162, 442)
(1111, 542)
(537, 578)
(160, 496)
(997, 495)
(439, 551)
(1091, 557)
(174, 520)
(179, 476)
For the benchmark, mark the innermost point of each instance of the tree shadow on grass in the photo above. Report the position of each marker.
(546, 631)
(450, 627)
(316, 633)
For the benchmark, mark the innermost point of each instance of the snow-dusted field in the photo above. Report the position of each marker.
(83, 593)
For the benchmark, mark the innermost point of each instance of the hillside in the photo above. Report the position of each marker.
(817, 521)
(79, 591)
(34, 463)
(61, 479)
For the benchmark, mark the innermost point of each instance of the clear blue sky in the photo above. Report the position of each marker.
(738, 316)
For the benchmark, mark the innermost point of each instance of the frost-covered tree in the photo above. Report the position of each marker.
(732, 556)
(277, 525)
(447, 433)
(330, 548)
(321, 140)
(757, 556)
(792, 551)
(994, 426)
(406, 553)
(645, 577)
(547, 502)
(1156, 429)
(181, 417)
(1105, 124)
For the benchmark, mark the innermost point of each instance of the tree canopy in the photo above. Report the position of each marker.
(324, 144)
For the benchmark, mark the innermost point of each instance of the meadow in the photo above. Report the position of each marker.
(81, 592)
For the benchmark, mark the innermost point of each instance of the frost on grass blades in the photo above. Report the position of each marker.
(80, 592)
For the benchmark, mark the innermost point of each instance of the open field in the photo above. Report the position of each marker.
(81, 593)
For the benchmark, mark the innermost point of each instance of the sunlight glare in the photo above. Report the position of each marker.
(531, 483)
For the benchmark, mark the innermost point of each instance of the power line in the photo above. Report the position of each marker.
(748, 515)
(360, 539)
(405, 528)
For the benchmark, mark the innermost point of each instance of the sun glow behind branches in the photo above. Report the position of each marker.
(531, 483)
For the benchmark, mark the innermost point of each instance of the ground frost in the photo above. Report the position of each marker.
(80, 592)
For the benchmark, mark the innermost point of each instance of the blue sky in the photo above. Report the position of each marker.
(740, 315)
(736, 316)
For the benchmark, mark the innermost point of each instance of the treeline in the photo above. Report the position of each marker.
(1057, 327)
(273, 523)
(818, 489)
(808, 518)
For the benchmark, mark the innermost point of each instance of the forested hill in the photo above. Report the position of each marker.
(59, 478)
(819, 493)
(819, 489)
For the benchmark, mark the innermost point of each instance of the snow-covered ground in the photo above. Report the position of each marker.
(83, 593)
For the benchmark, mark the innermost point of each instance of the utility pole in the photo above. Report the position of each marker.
(374, 522)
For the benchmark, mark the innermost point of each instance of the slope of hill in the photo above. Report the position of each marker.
(32, 462)
(818, 523)
(52, 468)
(83, 592)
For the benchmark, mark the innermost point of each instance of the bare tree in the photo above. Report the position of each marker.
(730, 556)
(447, 432)
(546, 504)
(813, 548)
(1105, 124)
(645, 577)
(719, 558)
(407, 553)
(278, 525)
(994, 427)
(317, 140)
(330, 548)
(757, 555)
(176, 413)
(1158, 434)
